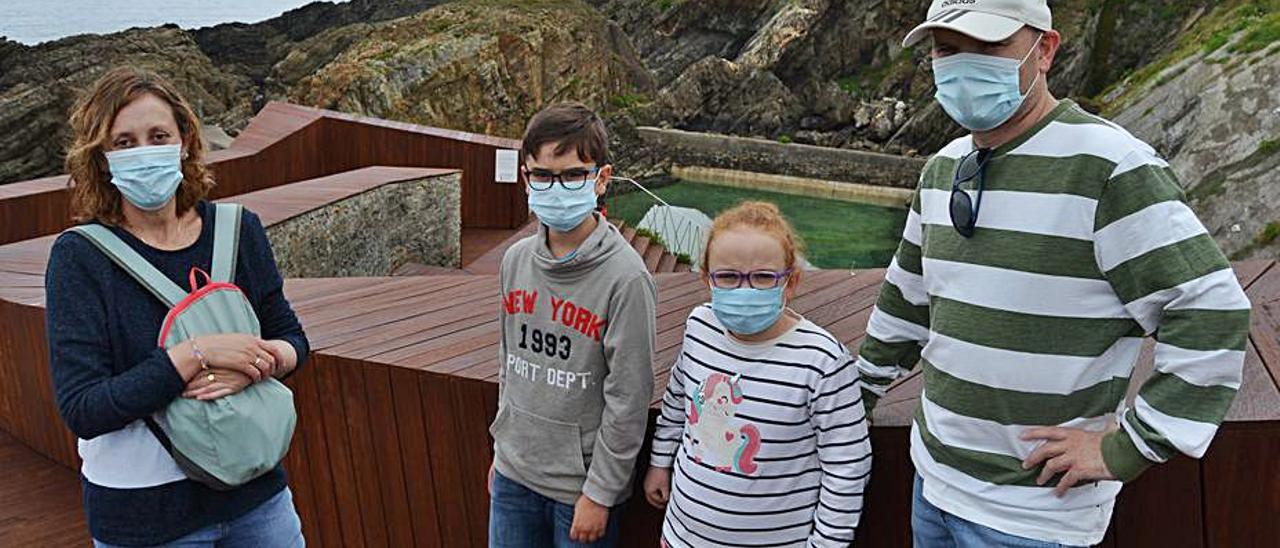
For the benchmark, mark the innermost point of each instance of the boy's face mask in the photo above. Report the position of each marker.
(562, 201)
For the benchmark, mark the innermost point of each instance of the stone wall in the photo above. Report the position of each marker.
(757, 155)
(373, 233)
(798, 186)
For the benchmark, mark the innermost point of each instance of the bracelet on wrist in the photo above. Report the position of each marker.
(195, 351)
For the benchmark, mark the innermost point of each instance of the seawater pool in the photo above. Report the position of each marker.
(838, 234)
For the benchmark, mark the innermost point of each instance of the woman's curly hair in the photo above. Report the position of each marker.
(93, 197)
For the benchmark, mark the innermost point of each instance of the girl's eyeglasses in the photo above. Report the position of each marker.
(571, 179)
(757, 279)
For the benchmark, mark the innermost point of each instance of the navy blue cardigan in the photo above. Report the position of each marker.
(108, 371)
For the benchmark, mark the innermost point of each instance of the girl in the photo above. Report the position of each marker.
(762, 422)
(138, 169)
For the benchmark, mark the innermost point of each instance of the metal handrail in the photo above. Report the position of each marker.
(643, 189)
(679, 234)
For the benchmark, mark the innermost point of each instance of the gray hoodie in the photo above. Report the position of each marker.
(575, 367)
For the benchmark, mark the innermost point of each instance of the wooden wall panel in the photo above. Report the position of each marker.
(446, 462)
(886, 521)
(415, 459)
(1242, 486)
(26, 387)
(42, 209)
(387, 455)
(342, 471)
(1163, 507)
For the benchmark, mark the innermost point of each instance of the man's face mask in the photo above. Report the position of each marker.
(981, 92)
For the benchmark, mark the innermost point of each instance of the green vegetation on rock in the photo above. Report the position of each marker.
(628, 101)
(1265, 238)
(868, 82)
(1259, 20)
(1269, 147)
(1263, 33)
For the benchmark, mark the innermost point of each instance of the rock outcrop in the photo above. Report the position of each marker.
(479, 66)
(227, 71)
(38, 86)
(795, 53)
(256, 49)
(1213, 111)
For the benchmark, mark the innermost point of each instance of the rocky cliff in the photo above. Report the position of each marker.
(478, 65)
(834, 73)
(482, 66)
(38, 86)
(255, 50)
(1212, 108)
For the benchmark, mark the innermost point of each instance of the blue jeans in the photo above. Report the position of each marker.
(521, 518)
(273, 523)
(931, 527)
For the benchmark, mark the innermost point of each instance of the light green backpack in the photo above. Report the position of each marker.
(226, 442)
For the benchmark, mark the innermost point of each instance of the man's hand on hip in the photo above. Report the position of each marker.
(1075, 453)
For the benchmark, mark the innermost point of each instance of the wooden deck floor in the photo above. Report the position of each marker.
(39, 499)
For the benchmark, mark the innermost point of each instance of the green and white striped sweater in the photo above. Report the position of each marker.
(1083, 247)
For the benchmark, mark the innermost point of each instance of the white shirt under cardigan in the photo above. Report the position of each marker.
(768, 440)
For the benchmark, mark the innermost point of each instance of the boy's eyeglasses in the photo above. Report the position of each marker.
(757, 279)
(964, 209)
(570, 179)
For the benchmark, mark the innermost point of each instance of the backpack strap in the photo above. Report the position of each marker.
(226, 241)
(131, 262)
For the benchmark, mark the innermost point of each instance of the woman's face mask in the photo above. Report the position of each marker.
(148, 177)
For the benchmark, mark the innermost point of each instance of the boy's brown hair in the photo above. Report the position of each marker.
(570, 126)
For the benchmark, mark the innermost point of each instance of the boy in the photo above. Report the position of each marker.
(576, 350)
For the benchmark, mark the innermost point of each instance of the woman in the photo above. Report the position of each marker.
(136, 165)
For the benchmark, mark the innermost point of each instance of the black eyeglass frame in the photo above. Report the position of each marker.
(559, 178)
(972, 166)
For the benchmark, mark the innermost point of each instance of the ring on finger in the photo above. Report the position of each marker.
(211, 377)
(257, 362)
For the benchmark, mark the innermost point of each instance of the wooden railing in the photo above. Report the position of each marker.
(288, 143)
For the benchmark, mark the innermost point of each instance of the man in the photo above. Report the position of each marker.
(1039, 251)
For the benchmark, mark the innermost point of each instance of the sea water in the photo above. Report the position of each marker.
(35, 21)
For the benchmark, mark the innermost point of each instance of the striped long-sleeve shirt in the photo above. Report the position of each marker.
(768, 441)
(1083, 247)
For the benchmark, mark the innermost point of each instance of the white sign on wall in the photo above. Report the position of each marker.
(506, 163)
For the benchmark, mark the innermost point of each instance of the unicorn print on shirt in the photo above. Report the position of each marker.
(715, 436)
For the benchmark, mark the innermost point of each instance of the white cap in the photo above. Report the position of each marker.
(985, 20)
